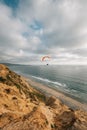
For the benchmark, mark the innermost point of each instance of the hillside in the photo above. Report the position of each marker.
(24, 108)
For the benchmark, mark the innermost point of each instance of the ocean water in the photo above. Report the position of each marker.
(70, 80)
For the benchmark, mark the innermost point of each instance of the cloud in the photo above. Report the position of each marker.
(62, 21)
(44, 27)
(12, 41)
(10, 29)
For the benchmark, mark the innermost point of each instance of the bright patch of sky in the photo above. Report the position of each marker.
(11, 3)
(36, 25)
(30, 29)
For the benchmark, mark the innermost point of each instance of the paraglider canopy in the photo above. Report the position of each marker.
(46, 59)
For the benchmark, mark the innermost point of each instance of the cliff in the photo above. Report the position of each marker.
(24, 108)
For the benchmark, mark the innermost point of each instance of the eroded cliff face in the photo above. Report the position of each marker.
(24, 108)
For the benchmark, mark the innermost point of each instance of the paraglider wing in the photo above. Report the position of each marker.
(45, 57)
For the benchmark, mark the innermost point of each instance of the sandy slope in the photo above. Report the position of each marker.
(24, 108)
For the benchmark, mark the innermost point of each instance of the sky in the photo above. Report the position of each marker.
(31, 29)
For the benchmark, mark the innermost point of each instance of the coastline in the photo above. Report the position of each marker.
(70, 102)
(23, 107)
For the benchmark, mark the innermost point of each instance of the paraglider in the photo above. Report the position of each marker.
(45, 58)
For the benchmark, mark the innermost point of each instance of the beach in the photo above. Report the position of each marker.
(26, 104)
(70, 80)
(52, 92)
(67, 84)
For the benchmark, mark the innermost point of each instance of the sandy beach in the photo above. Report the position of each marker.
(52, 92)
(23, 107)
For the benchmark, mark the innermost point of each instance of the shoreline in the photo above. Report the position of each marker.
(70, 102)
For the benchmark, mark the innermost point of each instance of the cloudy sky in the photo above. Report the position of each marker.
(31, 29)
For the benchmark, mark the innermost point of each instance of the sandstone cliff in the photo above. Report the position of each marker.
(24, 108)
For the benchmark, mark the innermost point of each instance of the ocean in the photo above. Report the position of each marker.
(67, 79)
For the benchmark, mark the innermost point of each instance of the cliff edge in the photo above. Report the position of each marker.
(24, 108)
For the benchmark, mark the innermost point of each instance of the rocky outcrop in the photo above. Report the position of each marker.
(24, 108)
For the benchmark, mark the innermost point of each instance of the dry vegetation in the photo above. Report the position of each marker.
(24, 108)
